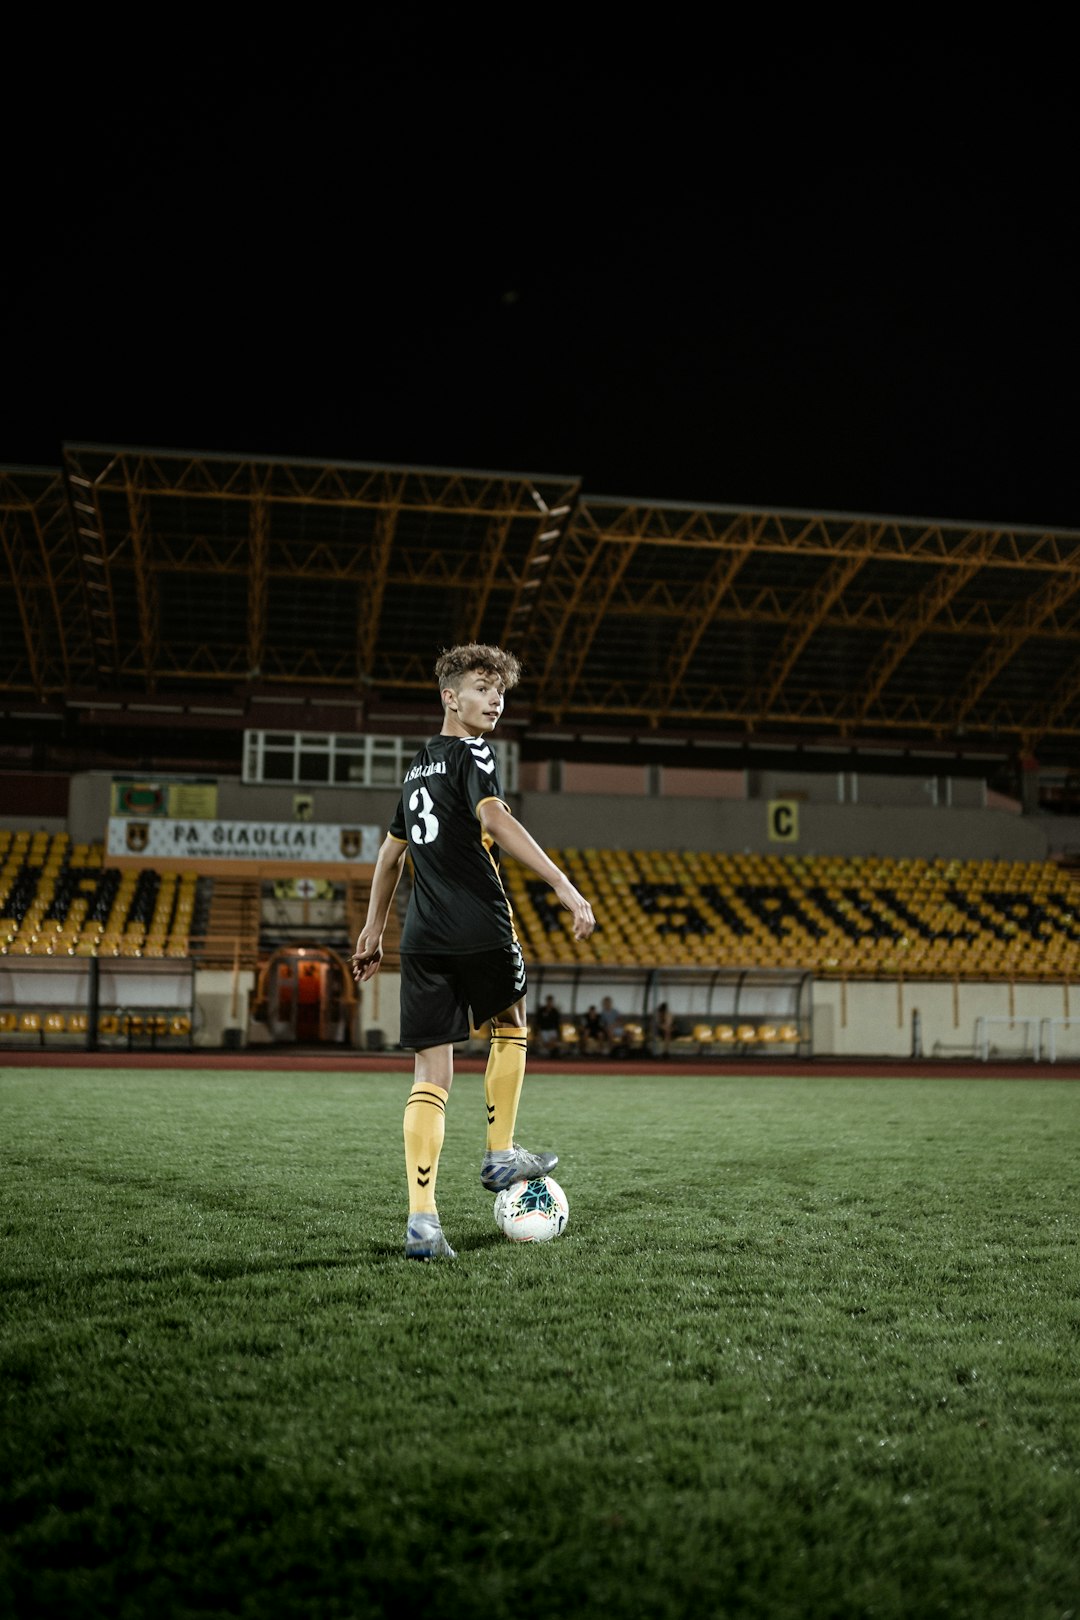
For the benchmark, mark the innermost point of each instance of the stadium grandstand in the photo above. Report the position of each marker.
(818, 771)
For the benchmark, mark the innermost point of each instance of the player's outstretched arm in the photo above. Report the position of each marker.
(503, 827)
(388, 867)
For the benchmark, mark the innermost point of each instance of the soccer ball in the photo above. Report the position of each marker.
(532, 1211)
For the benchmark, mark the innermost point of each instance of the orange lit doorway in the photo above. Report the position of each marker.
(308, 995)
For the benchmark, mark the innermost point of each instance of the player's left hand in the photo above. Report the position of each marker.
(366, 959)
(578, 907)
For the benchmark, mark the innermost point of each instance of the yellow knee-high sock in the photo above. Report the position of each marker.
(503, 1079)
(425, 1126)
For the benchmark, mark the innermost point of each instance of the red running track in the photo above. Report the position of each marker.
(308, 1060)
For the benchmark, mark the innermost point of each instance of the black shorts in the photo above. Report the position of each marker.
(439, 993)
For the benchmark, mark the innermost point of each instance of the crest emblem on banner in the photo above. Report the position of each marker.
(350, 842)
(138, 836)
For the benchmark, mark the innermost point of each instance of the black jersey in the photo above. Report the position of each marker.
(458, 904)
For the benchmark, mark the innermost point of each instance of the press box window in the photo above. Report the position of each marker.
(306, 758)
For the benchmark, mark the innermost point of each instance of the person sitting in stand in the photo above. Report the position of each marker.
(593, 1034)
(663, 1030)
(549, 1028)
(614, 1027)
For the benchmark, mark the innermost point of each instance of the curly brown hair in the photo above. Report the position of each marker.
(455, 663)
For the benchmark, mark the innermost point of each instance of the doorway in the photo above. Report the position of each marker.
(307, 996)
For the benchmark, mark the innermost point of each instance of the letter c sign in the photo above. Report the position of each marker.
(784, 821)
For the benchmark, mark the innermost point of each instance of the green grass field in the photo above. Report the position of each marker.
(808, 1347)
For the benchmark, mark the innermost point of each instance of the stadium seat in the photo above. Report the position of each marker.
(9, 1022)
(30, 1023)
(843, 917)
(697, 1039)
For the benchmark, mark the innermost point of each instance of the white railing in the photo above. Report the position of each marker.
(1048, 1034)
(982, 1034)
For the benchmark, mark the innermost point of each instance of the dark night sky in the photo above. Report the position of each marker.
(833, 280)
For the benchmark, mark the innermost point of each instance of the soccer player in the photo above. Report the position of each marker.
(459, 953)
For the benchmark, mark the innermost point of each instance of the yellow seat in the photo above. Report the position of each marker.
(724, 1034)
(9, 1021)
(55, 1023)
(78, 1023)
(179, 1024)
(747, 1034)
(29, 1023)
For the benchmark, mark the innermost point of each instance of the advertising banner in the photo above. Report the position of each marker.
(176, 839)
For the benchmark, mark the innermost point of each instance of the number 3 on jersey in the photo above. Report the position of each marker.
(423, 807)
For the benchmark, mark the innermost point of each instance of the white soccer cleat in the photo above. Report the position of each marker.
(424, 1239)
(499, 1170)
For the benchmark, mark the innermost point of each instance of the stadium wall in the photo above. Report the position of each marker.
(37, 800)
(719, 825)
(876, 1018)
(222, 999)
(620, 821)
